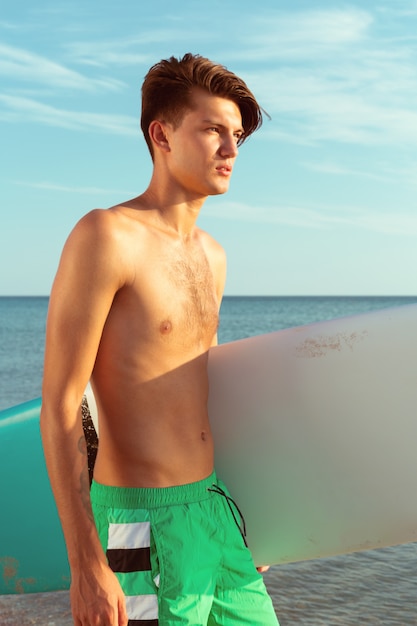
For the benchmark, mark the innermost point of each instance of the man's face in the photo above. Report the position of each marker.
(203, 148)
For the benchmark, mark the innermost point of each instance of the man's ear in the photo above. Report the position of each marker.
(157, 133)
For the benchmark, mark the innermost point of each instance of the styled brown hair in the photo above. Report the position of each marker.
(167, 92)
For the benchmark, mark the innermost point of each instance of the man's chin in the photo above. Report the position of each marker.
(219, 191)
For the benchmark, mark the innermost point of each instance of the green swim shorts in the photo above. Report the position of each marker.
(179, 555)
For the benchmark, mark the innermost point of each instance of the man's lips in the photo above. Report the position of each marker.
(226, 170)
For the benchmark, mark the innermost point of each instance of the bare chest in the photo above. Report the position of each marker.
(172, 302)
(190, 304)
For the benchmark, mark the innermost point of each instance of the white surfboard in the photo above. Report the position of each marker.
(315, 432)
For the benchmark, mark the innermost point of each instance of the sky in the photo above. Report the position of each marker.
(323, 196)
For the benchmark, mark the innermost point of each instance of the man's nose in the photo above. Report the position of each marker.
(229, 147)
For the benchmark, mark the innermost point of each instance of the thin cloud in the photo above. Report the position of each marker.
(27, 66)
(48, 186)
(126, 51)
(284, 215)
(21, 110)
(408, 8)
(8, 25)
(372, 104)
(332, 76)
(301, 35)
(406, 175)
(336, 169)
(135, 50)
(320, 218)
(275, 35)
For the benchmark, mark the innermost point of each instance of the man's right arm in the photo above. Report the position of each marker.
(86, 282)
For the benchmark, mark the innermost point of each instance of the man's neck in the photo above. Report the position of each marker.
(177, 209)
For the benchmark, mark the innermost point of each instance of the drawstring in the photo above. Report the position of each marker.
(242, 528)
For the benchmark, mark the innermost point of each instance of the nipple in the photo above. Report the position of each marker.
(165, 327)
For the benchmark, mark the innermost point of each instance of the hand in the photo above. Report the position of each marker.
(97, 598)
(263, 568)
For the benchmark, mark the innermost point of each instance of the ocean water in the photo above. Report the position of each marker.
(378, 587)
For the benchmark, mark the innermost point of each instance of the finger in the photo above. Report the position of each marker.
(123, 618)
(263, 568)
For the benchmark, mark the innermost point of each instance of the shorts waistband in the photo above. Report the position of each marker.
(149, 497)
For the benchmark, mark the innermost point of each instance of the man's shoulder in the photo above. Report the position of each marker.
(96, 220)
(213, 249)
(101, 236)
(210, 242)
(106, 225)
(101, 247)
(110, 217)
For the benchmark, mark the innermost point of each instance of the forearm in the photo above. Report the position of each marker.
(66, 459)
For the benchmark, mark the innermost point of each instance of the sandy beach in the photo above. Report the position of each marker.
(40, 609)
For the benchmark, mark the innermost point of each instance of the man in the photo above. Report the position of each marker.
(134, 307)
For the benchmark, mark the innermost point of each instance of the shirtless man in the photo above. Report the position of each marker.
(134, 307)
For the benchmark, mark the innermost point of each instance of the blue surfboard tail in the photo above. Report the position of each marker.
(32, 550)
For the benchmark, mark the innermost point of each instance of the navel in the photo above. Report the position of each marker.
(165, 327)
(203, 435)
